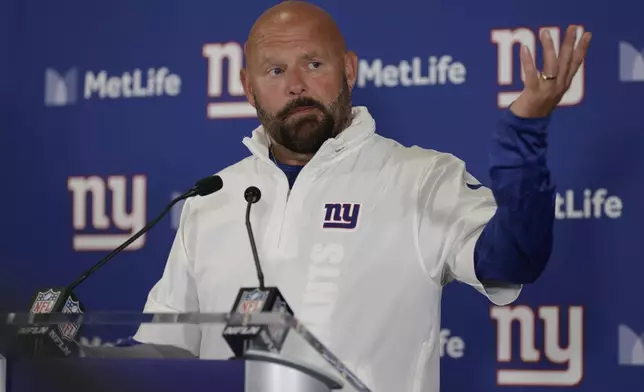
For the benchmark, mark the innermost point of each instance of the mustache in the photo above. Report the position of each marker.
(300, 103)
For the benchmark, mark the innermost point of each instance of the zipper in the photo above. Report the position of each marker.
(284, 209)
(288, 200)
(274, 246)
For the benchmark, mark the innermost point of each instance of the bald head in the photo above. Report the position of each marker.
(299, 76)
(289, 14)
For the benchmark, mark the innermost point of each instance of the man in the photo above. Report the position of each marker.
(414, 219)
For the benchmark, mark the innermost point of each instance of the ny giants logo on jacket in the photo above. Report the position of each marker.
(341, 215)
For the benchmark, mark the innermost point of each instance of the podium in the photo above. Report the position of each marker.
(298, 362)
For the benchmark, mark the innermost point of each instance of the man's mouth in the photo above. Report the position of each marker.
(303, 109)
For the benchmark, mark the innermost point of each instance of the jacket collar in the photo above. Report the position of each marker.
(362, 126)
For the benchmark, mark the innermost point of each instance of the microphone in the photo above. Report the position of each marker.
(58, 340)
(252, 196)
(203, 187)
(256, 299)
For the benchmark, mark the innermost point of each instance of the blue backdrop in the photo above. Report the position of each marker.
(109, 108)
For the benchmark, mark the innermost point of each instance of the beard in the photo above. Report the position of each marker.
(305, 133)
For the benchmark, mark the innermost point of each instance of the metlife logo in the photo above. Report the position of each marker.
(631, 63)
(62, 88)
(630, 346)
(430, 71)
(452, 347)
(591, 204)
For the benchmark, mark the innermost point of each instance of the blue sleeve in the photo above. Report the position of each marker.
(516, 244)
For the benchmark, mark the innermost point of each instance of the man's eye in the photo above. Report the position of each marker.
(275, 71)
(315, 64)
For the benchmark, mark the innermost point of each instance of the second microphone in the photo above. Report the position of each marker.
(256, 299)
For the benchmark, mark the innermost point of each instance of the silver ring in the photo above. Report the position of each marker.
(547, 77)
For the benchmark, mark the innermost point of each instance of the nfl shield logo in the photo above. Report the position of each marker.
(252, 301)
(69, 331)
(45, 301)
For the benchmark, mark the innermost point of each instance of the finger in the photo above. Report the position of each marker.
(565, 54)
(529, 69)
(550, 65)
(578, 57)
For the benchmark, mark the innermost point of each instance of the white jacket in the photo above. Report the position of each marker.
(370, 289)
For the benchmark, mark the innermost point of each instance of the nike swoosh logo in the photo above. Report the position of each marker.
(473, 186)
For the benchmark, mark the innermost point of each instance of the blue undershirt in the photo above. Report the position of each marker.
(291, 171)
(516, 243)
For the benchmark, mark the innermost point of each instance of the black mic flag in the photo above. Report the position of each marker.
(256, 299)
(59, 340)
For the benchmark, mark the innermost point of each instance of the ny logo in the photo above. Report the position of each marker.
(101, 221)
(571, 356)
(507, 40)
(341, 216)
(216, 54)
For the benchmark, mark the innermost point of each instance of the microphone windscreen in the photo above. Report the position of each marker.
(209, 185)
(252, 194)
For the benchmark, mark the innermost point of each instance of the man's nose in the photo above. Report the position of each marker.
(296, 83)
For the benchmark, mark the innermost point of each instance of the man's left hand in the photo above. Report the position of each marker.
(543, 90)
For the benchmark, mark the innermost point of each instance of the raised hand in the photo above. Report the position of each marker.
(544, 89)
